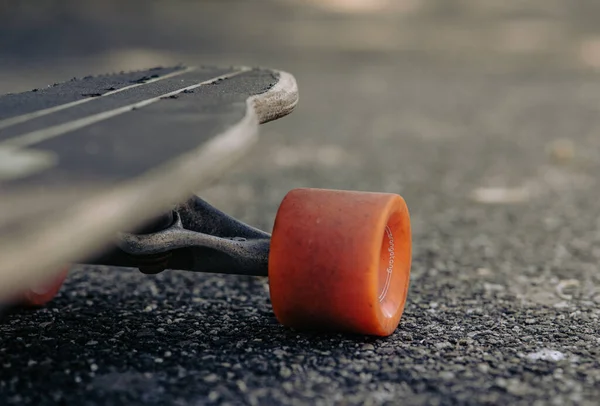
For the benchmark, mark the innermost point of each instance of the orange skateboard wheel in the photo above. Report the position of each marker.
(340, 260)
(43, 293)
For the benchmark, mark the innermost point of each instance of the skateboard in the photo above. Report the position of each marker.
(107, 169)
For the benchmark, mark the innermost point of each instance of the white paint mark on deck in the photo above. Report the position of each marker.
(18, 163)
(34, 137)
(30, 116)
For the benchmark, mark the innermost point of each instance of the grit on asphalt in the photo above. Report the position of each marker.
(485, 119)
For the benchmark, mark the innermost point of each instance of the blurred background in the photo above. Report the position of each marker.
(45, 40)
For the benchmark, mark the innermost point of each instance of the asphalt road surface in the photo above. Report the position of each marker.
(485, 119)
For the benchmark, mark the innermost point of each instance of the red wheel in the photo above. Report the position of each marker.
(43, 293)
(340, 261)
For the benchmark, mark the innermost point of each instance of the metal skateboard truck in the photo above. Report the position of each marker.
(196, 237)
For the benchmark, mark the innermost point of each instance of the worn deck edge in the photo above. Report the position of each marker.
(67, 239)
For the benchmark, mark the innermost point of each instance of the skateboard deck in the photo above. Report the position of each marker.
(84, 159)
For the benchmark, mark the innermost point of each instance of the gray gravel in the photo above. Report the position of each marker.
(497, 154)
